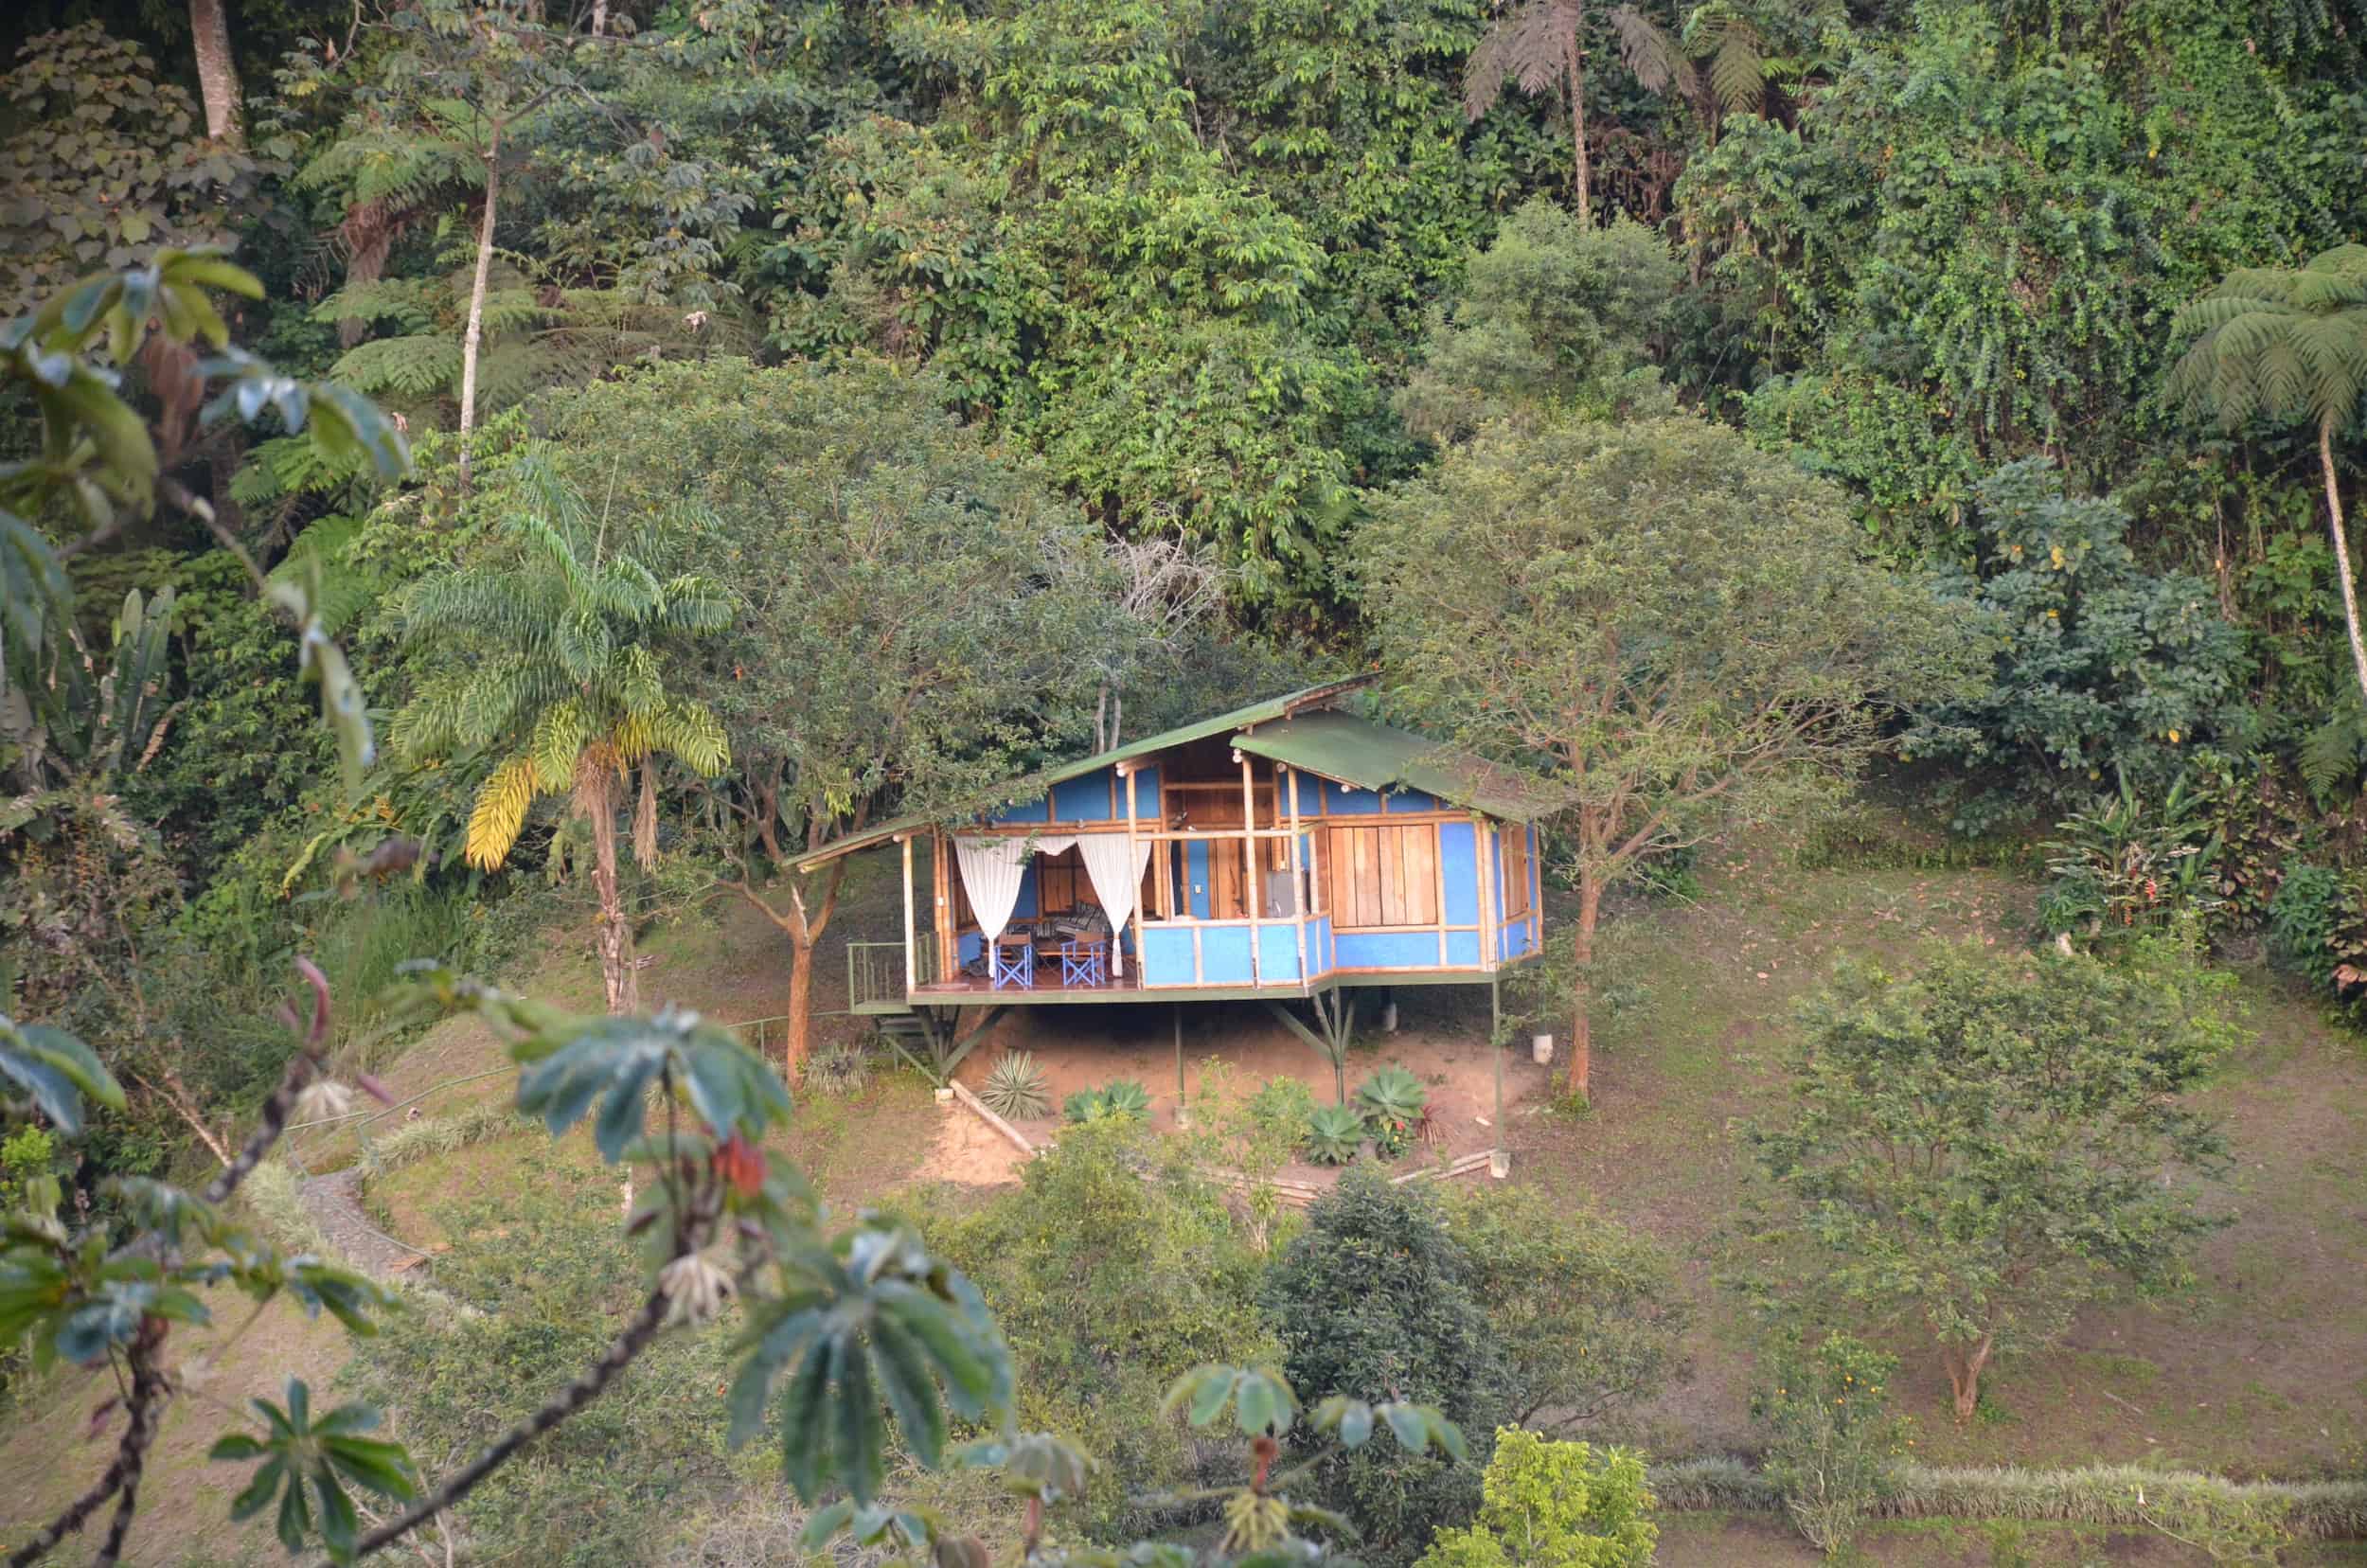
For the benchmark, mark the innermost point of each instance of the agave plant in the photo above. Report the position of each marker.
(1394, 1093)
(1333, 1133)
(1082, 1106)
(1126, 1098)
(1016, 1088)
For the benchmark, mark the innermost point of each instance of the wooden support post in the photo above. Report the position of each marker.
(1438, 864)
(910, 972)
(1290, 777)
(1182, 1111)
(1500, 1161)
(1250, 870)
(1133, 853)
(948, 939)
(1483, 842)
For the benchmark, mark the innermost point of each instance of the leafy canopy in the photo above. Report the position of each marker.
(1981, 1145)
(1675, 625)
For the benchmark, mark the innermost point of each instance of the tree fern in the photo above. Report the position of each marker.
(2280, 344)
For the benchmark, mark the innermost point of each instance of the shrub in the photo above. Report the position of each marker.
(1554, 1505)
(2125, 866)
(432, 1135)
(1124, 1099)
(1590, 1314)
(1372, 1301)
(1394, 1101)
(2108, 670)
(2318, 928)
(838, 1069)
(1831, 1436)
(1016, 1088)
(1112, 1270)
(539, 1277)
(1334, 1133)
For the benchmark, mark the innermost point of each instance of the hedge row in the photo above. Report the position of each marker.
(2115, 1495)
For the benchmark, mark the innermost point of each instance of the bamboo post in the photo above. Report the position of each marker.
(1117, 960)
(1500, 1159)
(910, 971)
(1248, 857)
(949, 941)
(1183, 1111)
(1483, 842)
(1298, 881)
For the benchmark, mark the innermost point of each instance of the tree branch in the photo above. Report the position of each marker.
(123, 1474)
(587, 1387)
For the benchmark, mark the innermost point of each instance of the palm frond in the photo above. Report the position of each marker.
(559, 736)
(500, 812)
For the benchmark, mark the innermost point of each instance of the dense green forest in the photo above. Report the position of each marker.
(487, 476)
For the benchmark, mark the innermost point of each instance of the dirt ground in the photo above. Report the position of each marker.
(1441, 1039)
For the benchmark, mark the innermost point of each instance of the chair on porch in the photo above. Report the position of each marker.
(1084, 963)
(1011, 961)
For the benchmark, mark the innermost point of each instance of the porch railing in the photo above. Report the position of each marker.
(875, 970)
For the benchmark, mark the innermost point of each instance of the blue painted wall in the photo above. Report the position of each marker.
(1462, 949)
(1166, 955)
(1411, 800)
(1349, 802)
(1196, 878)
(1224, 959)
(1277, 954)
(1459, 843)
(1386, 950)
(1098, 796)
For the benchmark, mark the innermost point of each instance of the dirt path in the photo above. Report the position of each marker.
(335, 1202)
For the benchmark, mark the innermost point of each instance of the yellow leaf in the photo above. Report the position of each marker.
(500, 812)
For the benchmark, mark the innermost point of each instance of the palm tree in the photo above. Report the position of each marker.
(549, 652)
(2283, 344)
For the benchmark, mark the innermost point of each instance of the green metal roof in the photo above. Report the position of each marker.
(1266, 712)
(1377, 758)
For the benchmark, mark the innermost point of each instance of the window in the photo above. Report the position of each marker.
(1514, 839)
(1384, 876)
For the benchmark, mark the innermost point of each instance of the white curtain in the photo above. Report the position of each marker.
(1117, 875)
(991, 868)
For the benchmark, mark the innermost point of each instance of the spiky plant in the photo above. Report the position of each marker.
(547, 646)
(1126, 1098)
(1082, 1106)
(1016, 1088)
(1334, 1133)
(1393, 1093)
(2284, 345)
(840, 1070)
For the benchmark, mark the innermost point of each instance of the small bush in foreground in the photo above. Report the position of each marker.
(1831, 1434)
(1550, 1505)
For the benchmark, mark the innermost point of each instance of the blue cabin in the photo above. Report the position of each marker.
(1284, 851)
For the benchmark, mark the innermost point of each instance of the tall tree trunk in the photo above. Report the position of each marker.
(217, 70)
(614, 936)
(476, 298)
(1582, 988)
(804, 929)
(2342, 554)
(1964, 1374)
(797, 1029)
(1578, 131)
